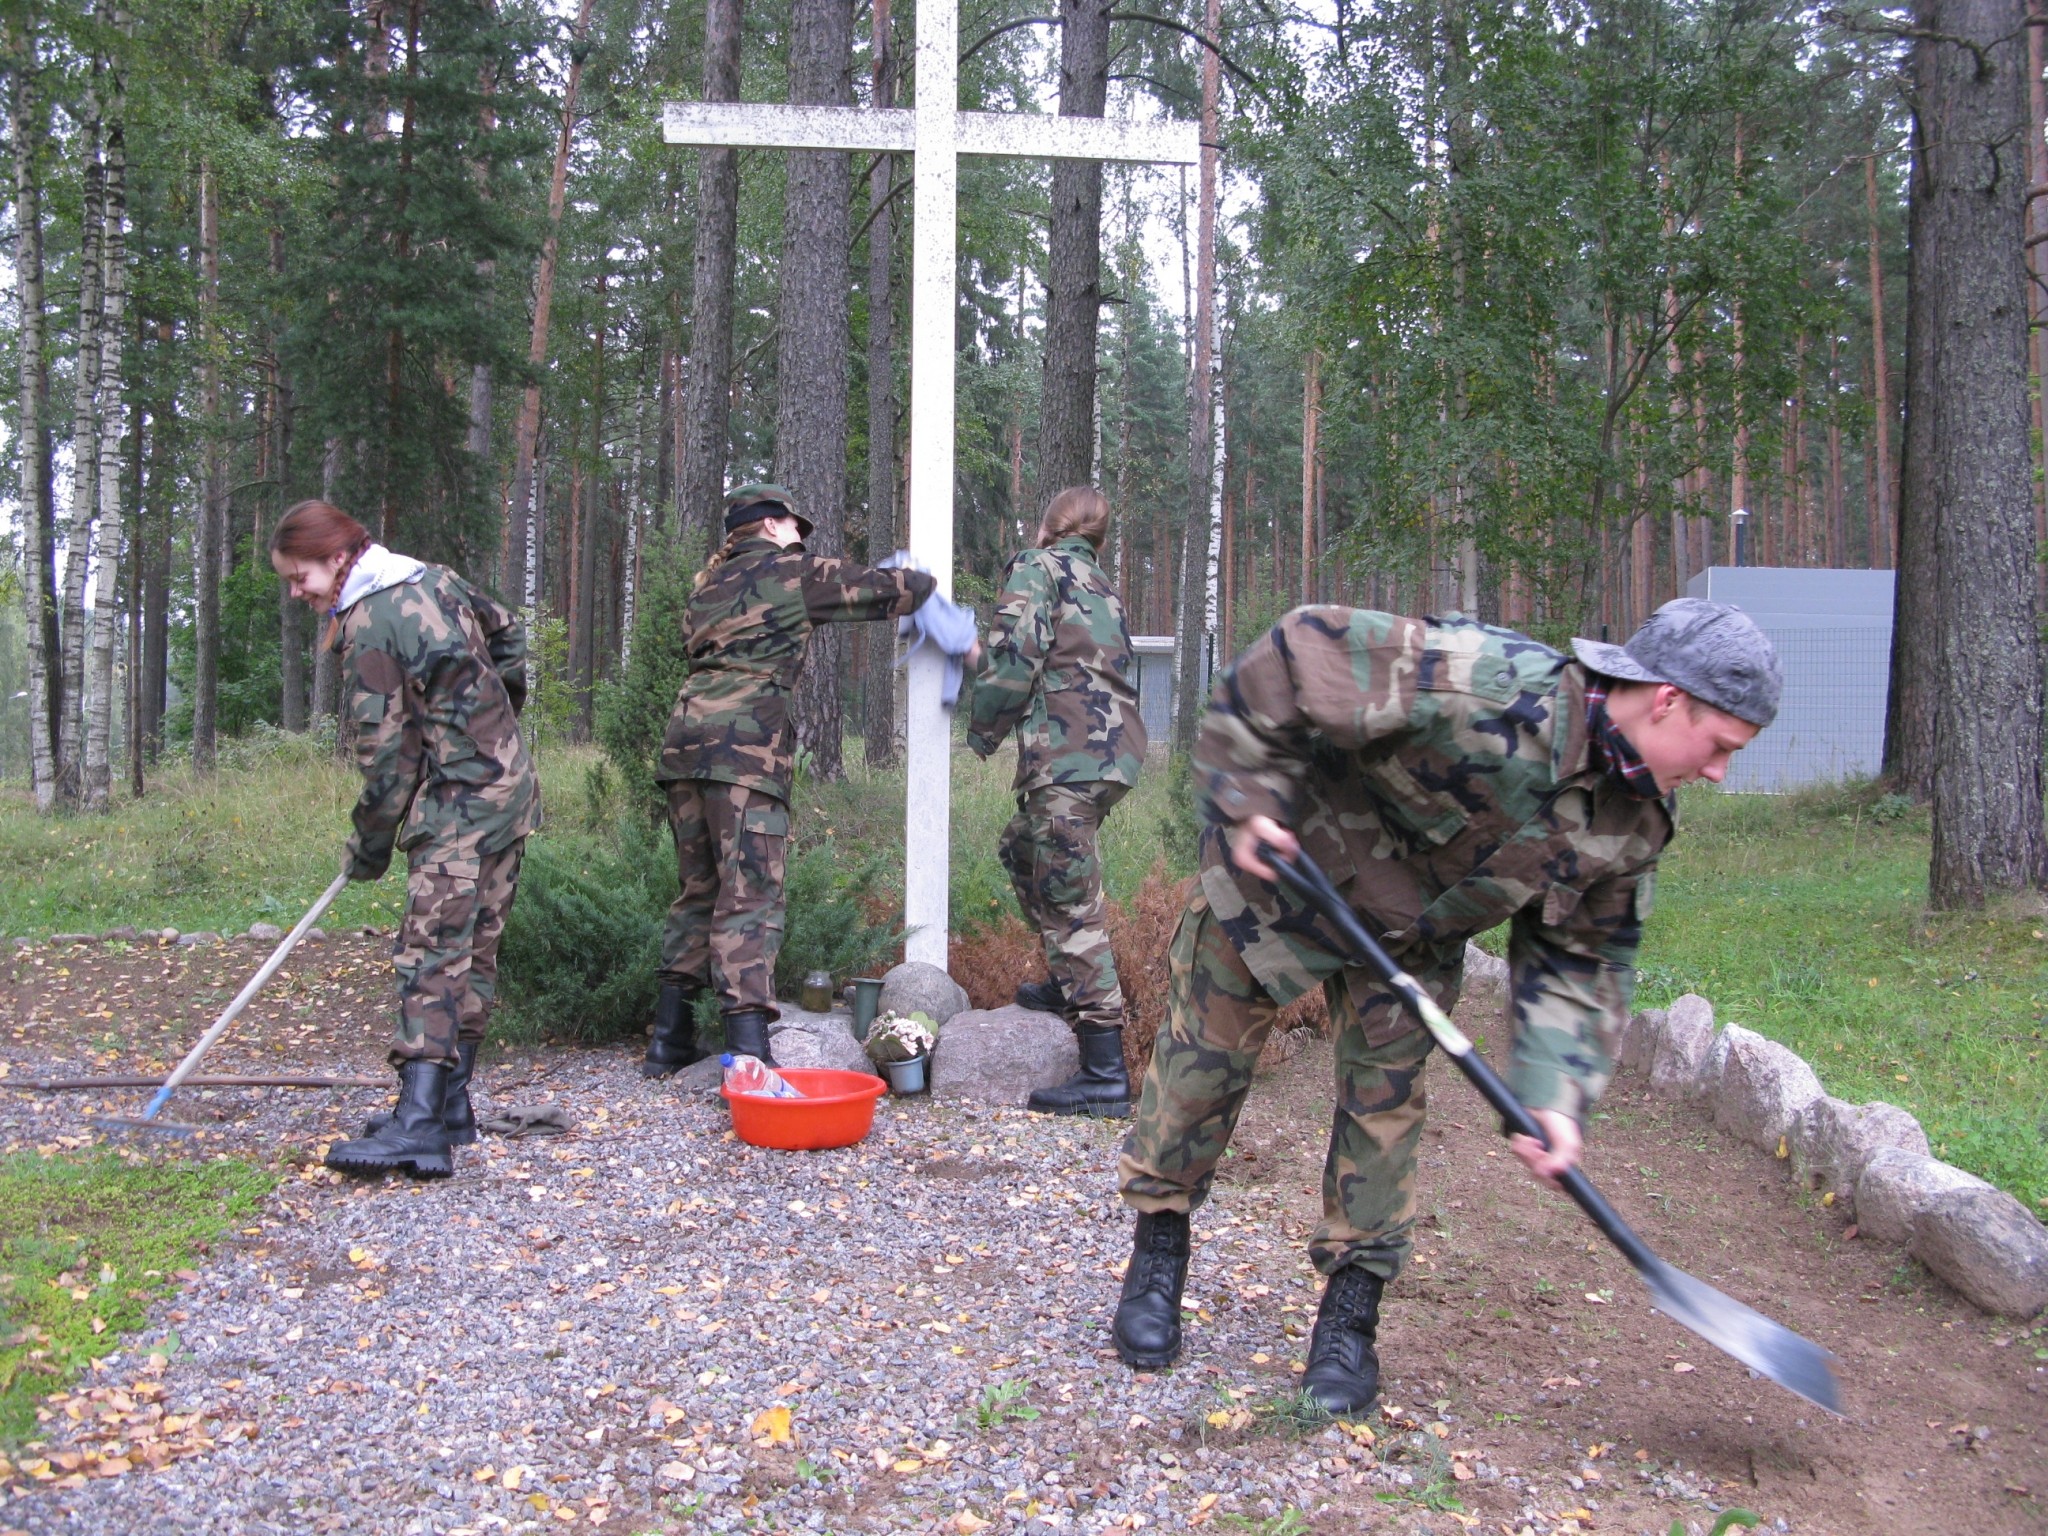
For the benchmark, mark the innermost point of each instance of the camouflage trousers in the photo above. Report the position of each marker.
(1049, 850)
(725, 928)
(446, 955)
(1218, 1016)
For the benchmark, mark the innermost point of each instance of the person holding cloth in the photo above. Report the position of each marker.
(727, 757)
(1448, 777)
(1056, 670)
(436, 674)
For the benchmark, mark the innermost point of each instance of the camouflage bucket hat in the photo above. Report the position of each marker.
(757, 499)
(1714, 651)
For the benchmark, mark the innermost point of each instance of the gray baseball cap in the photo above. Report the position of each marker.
(1714, 651)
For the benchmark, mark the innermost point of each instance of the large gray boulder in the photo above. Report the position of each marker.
(1761, 1088)
(1485, 975)
(999, 1055)
(1639, 1038)
(804, 1039)
(918, 987)
(1988, 1246)
(1833, 1141)
(1897, 1188)
(1680, 1055)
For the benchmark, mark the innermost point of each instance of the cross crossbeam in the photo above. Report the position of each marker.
(935, 132)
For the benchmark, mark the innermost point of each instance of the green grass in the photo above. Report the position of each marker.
(95, 1240)
(1804, 917)
(256, 843)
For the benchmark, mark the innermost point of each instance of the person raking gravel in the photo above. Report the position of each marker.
(1448, 776)
(436, 675)
(727, 757)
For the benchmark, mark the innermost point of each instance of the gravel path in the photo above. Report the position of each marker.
(601, 1328)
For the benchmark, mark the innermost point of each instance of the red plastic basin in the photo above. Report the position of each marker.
(837, 1109)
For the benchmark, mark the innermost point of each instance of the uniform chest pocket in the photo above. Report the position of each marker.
(457, 760)
(1434, 815)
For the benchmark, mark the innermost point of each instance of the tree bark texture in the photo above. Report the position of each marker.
(1884, 538)
(1909, 708)
(527, 432)
(1073, 271)
(213, 511)
(1988, 834)
(879, 723)
(99, 719)
(27, 130)
(707, 405)
(1197, 562)
(85, 458)
(811, 349)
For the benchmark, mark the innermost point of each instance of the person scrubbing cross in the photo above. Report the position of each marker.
(1449, 777)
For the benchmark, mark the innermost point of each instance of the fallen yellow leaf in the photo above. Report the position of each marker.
(772, 1424)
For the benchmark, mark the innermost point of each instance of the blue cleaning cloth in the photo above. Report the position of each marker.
(938, 622)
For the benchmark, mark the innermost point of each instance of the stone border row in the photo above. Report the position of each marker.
(1872, 1159)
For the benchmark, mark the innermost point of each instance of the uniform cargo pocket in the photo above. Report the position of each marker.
(765, 818)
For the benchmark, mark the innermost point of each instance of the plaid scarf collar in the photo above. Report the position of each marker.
(1611, 749)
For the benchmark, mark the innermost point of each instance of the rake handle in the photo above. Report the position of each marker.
(243, 998)
(1306, 879)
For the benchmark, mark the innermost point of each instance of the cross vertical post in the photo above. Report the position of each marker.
(936, 133)
(928, 797)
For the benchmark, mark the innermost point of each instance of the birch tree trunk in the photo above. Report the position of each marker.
(85, 458)
(879, 724)
(26, 129)
(811, 350)
(707, 407)
(1972, 104)
(1073, 271)
(519, 497)
(99, 718)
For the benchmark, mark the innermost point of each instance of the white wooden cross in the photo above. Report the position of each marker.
(937, 133)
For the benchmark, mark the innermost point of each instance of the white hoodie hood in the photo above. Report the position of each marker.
(375, 569)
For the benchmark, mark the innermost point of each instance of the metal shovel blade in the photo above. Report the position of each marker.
(1768, 1348)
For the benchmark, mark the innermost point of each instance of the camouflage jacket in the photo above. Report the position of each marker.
(748, 625)
(1056, 668)
(1440, 772)
(437, 675)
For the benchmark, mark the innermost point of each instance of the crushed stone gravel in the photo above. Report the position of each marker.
(649, 1324)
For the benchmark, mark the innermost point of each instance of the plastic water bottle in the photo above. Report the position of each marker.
(750, 1074)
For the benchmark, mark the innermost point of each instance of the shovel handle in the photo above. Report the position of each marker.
(1305, 878)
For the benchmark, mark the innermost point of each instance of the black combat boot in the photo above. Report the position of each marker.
(414, 1139)
(1147, 1326)
(1343, 1374)
(458, 1116)
(746, 1033)
(1042, 997)
(673, 1044)
(1101, 1087)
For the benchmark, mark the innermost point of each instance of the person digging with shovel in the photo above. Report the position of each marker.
(1448, 776)
(436, 674)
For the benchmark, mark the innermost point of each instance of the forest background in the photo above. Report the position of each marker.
(1513, 307)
